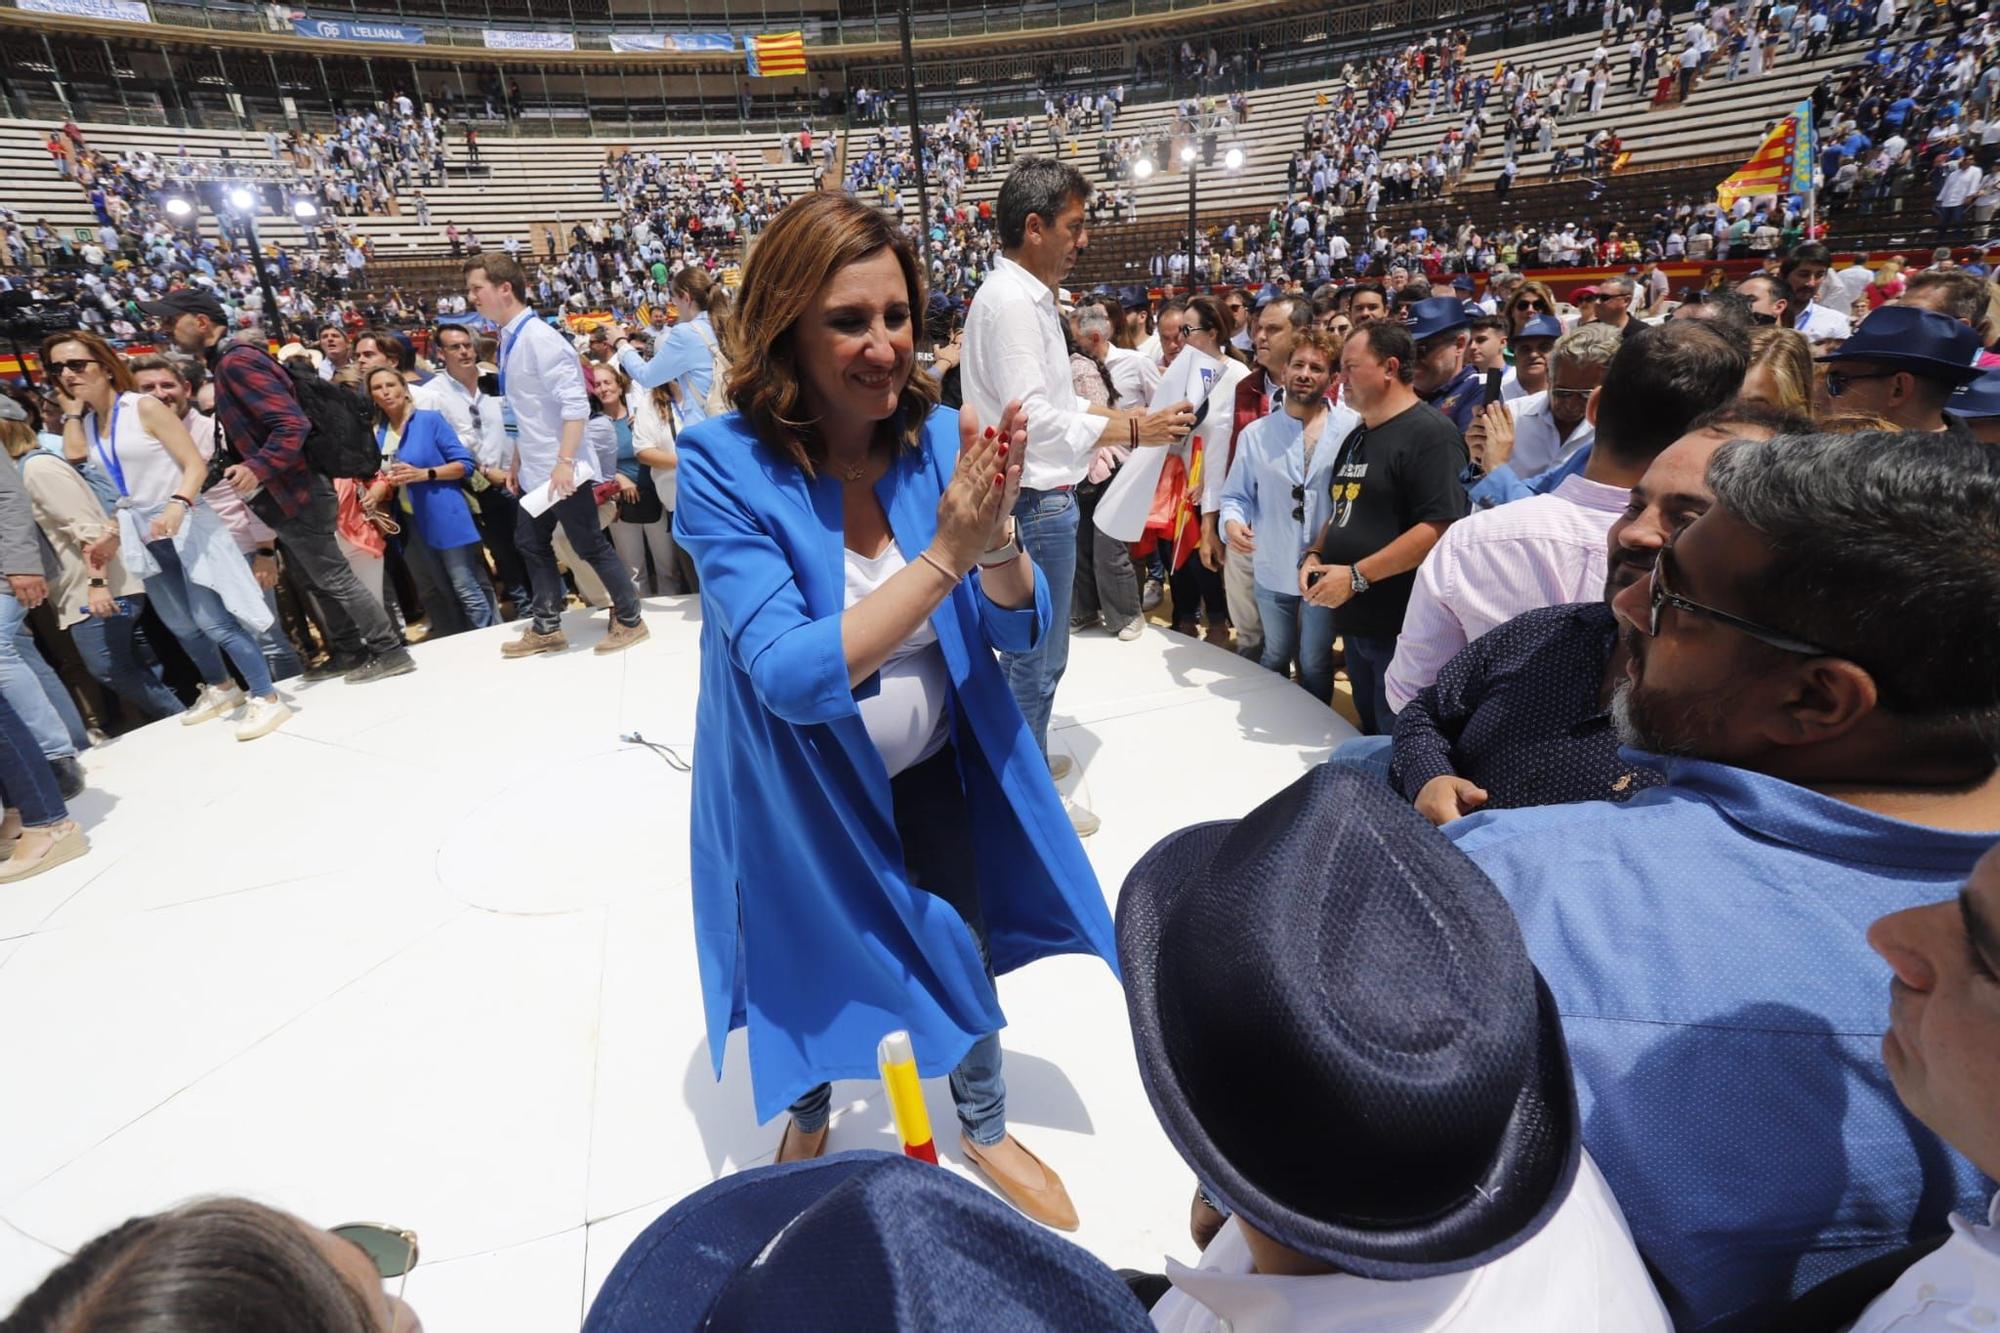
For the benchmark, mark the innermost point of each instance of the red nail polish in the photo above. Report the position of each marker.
(989, 432)
(1003, 451)
(1000, 480)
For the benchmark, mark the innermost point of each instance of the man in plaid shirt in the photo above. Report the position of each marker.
(259, 416)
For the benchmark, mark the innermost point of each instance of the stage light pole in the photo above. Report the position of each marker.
(244, 200)
(916, 139)
(1232, 161)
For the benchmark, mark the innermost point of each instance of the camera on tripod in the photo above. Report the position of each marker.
(24, 318)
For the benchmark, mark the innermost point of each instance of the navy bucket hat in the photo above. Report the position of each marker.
(857, 1240)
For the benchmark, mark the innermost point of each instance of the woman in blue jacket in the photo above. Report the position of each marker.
(422, 456)
(875, 834)
(686, 353)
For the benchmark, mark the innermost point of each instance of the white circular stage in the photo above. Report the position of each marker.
(423, 957)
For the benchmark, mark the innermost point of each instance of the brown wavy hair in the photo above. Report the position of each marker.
(809, 241)
(100, 351)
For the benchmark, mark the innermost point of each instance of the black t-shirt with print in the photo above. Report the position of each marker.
(1385, 481)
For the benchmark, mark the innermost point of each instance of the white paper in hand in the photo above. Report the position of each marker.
(1122, 510)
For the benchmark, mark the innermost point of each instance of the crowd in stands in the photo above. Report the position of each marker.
(1611, 584)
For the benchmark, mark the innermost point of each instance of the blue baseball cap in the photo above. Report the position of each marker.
(1540, 326)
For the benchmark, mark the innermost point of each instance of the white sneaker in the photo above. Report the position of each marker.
(213, 701)
(1059, 766)
(265, 716)
(1133, 629)
(1082, 820)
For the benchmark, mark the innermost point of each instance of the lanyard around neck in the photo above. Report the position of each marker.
(108, 458)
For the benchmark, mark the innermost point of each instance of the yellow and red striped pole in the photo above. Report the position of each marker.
(898, 1064)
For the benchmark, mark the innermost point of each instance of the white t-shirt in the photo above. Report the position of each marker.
(909, 719)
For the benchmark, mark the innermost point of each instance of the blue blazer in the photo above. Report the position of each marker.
(444, 520)
(807, 932)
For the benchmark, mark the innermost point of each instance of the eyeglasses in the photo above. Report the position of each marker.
(76, 365)
(1532, 303)
(1664, 596)
(392, 1250)
(1838, 380)
(1194, 328)
(1570, 393)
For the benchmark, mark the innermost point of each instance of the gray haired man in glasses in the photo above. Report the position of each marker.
(1814, 670)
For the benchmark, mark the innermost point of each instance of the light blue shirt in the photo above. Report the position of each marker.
(684, 354)
(1705, 944)
(1263, 485)
(542, 379)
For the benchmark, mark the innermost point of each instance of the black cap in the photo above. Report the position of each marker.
(186, 301)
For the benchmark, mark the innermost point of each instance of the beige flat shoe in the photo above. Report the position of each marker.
(1039, 1192)
(799, 1146)
(67, 844)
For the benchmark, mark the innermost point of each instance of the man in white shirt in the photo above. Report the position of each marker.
(479, 419)
(1960, 183)
(1804, 270)
(1548, 550)
(1014, 349)
(1943, 1056)
(546, 405)
(1405, 1150)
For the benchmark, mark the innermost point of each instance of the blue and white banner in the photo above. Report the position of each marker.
(678, 41)
(119, 11)
(347, 30)
(509, 39)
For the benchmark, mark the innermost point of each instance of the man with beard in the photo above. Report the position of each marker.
(1522, 715)
(1814, 665)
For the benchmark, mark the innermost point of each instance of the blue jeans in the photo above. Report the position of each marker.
(935, 826)
(1295, 628)
(31, 687)
(281, 659)
(1368, 661)
(465, 567)
(1369, 754)
(203, 624)
(1046, 522)
(27, 783)
(105, 644)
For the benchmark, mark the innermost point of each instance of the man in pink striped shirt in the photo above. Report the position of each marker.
(1547, 550)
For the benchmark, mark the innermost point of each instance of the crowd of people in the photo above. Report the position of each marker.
(1643, 802)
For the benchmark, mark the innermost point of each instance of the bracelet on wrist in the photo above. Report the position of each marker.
(99, 583)
(183, 501)
(940, 567)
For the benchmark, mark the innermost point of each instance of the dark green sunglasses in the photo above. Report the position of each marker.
(392, 1250)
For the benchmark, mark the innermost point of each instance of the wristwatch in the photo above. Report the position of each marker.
(430, 474)
(1006, 552)
(1356, 579)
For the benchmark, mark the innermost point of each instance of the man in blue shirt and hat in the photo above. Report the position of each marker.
(1903, 363)
(1814, 669)
(1443, 333)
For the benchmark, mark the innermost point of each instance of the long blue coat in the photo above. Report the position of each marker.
(444, 520)
(806, 929)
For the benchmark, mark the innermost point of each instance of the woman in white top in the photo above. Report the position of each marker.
(168, 535)
(1207, 327)
(656, 426)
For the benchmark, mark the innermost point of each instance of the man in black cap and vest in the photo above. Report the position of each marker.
(1377, 1089)
(1903, 363)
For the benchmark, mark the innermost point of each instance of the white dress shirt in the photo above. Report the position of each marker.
(1134, 374)
(1538, 443)
(543, 379)
(1494, 564)
(1580, 1271)
(1823, 325)
(477, 418)
(1014, 349)
(1954, 1287)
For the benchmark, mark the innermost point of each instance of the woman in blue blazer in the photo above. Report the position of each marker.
(875, 834)
(422, 455)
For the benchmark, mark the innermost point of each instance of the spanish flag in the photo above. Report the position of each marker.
(1782, 164)
(772, 55)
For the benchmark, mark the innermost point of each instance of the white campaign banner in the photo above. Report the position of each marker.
(1126, 502)
(508, 39)
(120, 11)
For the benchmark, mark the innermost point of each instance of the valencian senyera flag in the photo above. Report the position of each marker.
(1782, 164)
(773, 55)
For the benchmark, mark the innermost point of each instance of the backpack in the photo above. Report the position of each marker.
(717, 401)
(341, 442)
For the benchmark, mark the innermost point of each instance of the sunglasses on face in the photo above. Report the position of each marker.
(1663, 596)
(1838, 381)
(392, 1250)
(1531, 303)
(1571, 393)
(76, 365)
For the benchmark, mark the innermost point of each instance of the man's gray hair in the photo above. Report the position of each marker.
(1092, 322)
(1040, 186)
(1585, 346)
(1885, 549)
(1298, 310)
